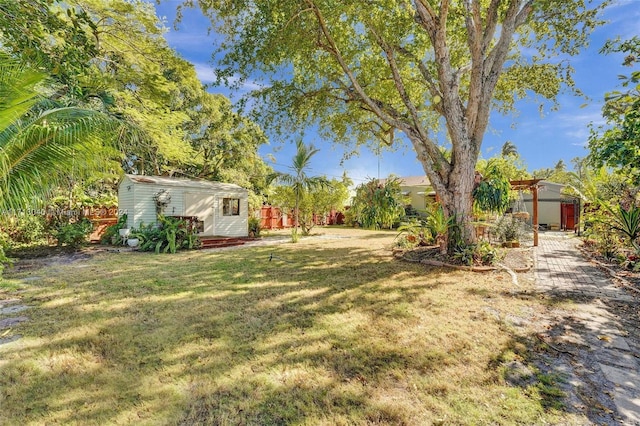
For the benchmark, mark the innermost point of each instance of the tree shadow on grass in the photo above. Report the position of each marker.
(92, 343)
(258, 336)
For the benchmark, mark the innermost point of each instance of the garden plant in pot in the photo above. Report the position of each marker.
(508, 229)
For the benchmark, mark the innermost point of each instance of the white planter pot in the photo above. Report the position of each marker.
(133, 242)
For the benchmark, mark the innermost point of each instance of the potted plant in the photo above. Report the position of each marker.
(133, 242)
(508, 230)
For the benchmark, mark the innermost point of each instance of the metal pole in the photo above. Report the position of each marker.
(535, 215)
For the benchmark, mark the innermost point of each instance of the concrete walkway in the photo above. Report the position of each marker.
(563, 273)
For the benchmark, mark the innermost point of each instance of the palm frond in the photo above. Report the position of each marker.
(41, 147)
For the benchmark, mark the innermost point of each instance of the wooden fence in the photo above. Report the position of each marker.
(273, 218)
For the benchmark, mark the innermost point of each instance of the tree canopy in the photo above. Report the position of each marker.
(112, 57)
(364, 70)
(619, 145)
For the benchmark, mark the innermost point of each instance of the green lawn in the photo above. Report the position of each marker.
(331, 331)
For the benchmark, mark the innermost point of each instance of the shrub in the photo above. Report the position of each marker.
(413, 233)
(509, 228)
(22, 230)
(377, 205)
(73, 234)
(170, 235)
(254, 226)
(481, 253)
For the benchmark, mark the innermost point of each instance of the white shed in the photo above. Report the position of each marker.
(221, 208)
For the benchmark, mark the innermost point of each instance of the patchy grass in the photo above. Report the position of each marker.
(331, 331)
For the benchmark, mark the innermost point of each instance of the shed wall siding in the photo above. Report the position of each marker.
(548, 211)
(144, 206)
(232, 226)
(126, 201)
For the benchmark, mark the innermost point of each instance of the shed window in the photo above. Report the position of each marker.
(231, 206)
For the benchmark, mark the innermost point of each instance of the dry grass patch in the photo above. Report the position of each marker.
(330, 331)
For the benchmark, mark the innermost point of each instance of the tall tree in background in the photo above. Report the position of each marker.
(111, 56)
(509, 149)
(364, 70)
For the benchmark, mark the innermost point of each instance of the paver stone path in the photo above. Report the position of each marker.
(563, 272)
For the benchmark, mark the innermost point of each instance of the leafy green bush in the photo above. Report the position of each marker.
(254, 226)
(21, 230)
(491, 194)
(440, 226)
(73, 234)
(4, 260)
(627, 223)
(509, 228)
(481, 253)
(169, 235)
(377, 205)
(413, 233)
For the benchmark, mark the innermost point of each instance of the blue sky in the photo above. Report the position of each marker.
(541, 140)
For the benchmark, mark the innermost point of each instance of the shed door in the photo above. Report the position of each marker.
(202, 206)
(568, 212)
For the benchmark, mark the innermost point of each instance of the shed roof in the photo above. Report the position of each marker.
(184, 183)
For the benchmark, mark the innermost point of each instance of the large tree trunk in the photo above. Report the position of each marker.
(457, 201)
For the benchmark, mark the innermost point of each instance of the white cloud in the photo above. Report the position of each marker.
(208, 75)
(205, 72)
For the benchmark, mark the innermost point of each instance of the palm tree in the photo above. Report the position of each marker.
(560, 166)
(299, 180)
(509, 149)
(41, 143)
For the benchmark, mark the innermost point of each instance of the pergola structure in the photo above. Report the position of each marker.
(530, 185)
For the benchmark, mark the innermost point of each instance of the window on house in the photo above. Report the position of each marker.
(230, 206)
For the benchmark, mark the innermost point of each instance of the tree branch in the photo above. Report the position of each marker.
(431, 148)
(333, 49)
(516, 15)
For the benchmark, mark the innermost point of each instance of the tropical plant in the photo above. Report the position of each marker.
(509, 149)
(413, 232)
(491, 194)
(440, 225)
(377, 205)
(481, 253)
(168, 236)
(314, 204)
(626, 222)
(299, 180)
(112, 232)
(254, 226)
(73, 233)
(41, 143)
